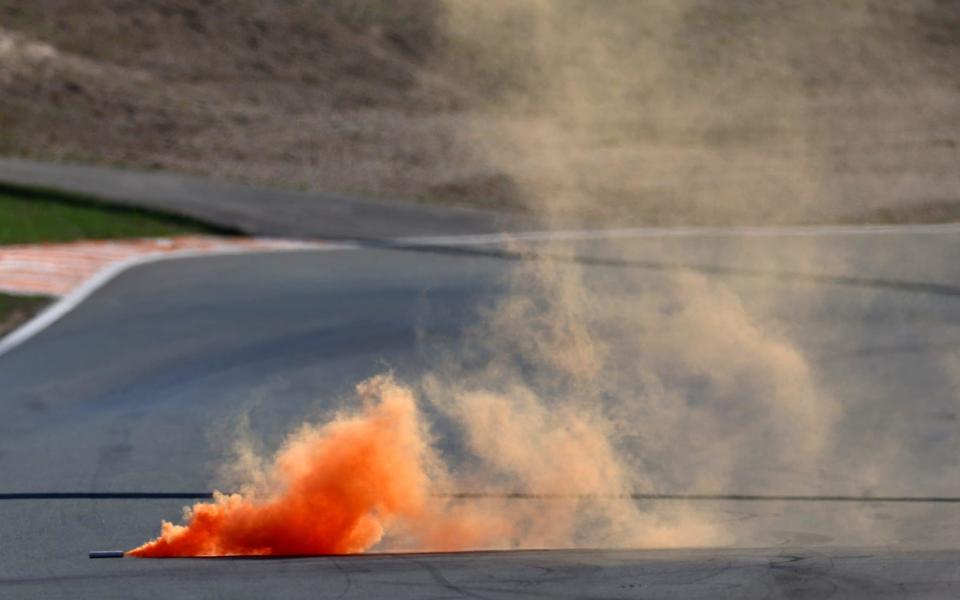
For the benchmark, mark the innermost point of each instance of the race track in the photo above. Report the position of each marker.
(139, 388)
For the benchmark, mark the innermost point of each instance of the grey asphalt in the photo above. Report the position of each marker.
(252, 210)
(140, 388)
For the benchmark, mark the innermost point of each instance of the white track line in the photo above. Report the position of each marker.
(64, 305)
(682, 232)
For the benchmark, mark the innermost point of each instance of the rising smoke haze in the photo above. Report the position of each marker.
(591, 383)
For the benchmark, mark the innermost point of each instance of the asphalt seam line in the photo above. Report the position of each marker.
(516, 496)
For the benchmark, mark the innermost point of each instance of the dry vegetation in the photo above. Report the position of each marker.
(760, 111)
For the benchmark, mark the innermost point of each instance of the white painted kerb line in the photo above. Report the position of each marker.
(67, 303)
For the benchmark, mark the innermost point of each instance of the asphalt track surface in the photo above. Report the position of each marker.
(252, 210)
(136, 391)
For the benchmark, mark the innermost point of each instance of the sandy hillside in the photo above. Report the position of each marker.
(655, 112)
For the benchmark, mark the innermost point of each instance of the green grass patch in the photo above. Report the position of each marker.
(14, 310)
(31, 216)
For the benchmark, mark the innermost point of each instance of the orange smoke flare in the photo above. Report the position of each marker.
(341, 485)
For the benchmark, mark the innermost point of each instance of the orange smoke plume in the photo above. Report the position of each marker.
(344, 486)
(340, 485)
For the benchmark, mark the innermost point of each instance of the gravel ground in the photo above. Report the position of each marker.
(660, 113)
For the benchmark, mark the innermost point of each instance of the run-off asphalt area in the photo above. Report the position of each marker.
(139, 387)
